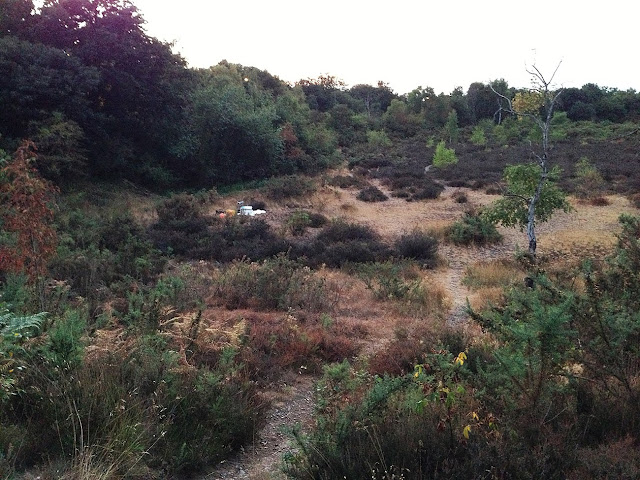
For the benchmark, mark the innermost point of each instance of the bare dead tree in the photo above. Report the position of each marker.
(542, 87)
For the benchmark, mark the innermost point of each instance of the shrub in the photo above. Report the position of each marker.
(473, 229)
(290, 186)
(589, 182)
(178, 208)
(274, 344)
(347, 181)
(392, 427)
(298, 222)
(460, 197)
(278, 283)
(443, 156)
(372, 194)
(418, 245)
(317, 220)
(599, 201)
(635, 200)
(341, 231)
(378, 138)
(477, 136)
(428, 190)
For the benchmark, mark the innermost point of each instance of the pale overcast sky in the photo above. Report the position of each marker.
(407, 43)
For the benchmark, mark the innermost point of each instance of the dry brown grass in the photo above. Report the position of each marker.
(483, 298)
(490, 274)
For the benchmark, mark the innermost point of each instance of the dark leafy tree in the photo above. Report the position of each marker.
(322, 93)
(482, 101)
(417, 97)
(36, 80)
(235, 132)
(458, 102)
(376, 100)
(142, 86)
(15, 17)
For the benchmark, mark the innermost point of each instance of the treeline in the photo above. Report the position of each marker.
(102, 98)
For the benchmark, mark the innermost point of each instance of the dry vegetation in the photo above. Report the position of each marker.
(287, 320)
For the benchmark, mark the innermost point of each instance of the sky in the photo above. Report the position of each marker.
(409, 43)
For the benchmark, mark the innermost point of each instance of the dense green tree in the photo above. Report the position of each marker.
(37, 80)
(375, 100)
(399, 119)
(15, 17)
(436, 110)
(235, 136)
(322, 92)
(458, 102)
(482, 101)
(142, 86)
(417, 97)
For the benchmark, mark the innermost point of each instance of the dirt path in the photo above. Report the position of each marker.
(292, 405)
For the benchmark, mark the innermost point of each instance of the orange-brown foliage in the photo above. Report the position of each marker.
(26, 213)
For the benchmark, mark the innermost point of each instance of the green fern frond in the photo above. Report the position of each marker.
(12, 325)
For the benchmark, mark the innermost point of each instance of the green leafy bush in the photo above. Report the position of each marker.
(298, 222)
(473, 229)
(478, 137)
(378, 138)
(443, 156)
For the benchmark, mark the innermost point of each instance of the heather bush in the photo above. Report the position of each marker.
(276, 344)
(460, 197)
(317, 220)
(178, 208)
(427, 190)
(342, 231)
(347, 181)
(340, 243)
(291, 186)
(278, 283)
(371, 194)
(418, 245)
